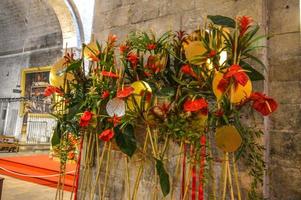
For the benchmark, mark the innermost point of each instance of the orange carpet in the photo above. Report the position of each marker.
(37, 169)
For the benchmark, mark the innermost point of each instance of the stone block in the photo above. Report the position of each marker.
(143, 11)
(107, 5)
(286, 92)
(286, 117)
(285, 69)
(118, 17)
(167, 7)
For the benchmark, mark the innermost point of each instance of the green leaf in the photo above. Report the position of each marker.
(253, 74)
(222, 20)
(75, 65)
(163, 176)
(125, 139)
(168, 91)
(56, 137)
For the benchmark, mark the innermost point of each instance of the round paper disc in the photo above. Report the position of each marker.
(139, 88)
(227, 138)
(91, 49)
(54, 78)
(116, 107)
(193, 49)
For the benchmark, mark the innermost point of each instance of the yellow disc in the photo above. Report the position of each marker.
(139, 88)
(91, 50)
(54, 78)
(236, 95)
(227, 138)
(193, 49)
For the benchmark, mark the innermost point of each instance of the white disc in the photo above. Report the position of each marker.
(116, 107)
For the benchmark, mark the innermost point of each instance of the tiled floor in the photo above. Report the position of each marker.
(14, 189)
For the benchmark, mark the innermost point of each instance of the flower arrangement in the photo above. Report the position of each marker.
(189, 90)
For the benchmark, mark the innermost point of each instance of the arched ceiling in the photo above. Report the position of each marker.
(29, 24)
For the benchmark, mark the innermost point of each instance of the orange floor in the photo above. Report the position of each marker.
(36, 169)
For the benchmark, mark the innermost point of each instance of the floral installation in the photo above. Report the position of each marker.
(184, 90)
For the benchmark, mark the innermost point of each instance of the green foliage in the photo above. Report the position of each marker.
(222, 20)
(125, 139)
(164, 177)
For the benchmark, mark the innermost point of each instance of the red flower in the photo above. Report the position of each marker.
(109, 74)
(196, 105)
(237, 74)
(133, 59)
(71, 155)
(245, 22)
(105, 94)
(152, 64)
(203, 140)
(187, 69)
(85, 119)
(263, 104)
(123, 48)
(106, 135)
(50, 90)
(125, 92)
(212, 53)
(115, 120)
(151, 46)
(219, 113)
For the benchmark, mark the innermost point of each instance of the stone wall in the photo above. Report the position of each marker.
(278, 17)
(284, 57)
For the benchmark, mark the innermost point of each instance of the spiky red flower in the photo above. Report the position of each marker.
(263, 104)
(125, 92)
(187, 69)
(196, 105)
(106, 135)
(237, 74)
(133, 59)
(212, 53)
(151, 46)
(245, 23)
(112, 39)
(50, 90)
(109, 74)
(115, 120)
(123, 48)
(105, 94)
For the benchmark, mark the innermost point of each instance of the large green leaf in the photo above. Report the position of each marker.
(222, 20)
(125, 139)
(73, 66)
(56, 137)
(253, 74)
(168, 91)
(163, 176)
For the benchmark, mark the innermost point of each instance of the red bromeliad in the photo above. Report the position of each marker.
(263, 104)
(105, 94)
(196, 105)
(187, 69)
(123, 48)
(109, 74)
(245, 23)
(106, 135)
(133, 59)
(50, 90)
(125, 92)
(115, 120)
(151, 46)
(85, 118)
(237, 74)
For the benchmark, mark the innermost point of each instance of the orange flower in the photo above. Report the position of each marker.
(85, 118)
(50, 90)
(71, 155)
(109, 74)
(245, 23)
(196, 105)
(263, 104)
(236, 73)
(123, 48)
(112, 39)
(125, 92)
(106, 135)
(187, 69)
(93, 57)
(151, 46)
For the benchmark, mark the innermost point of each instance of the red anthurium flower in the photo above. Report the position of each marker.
(133, 58)
(151, 46)
(125, 92)
(105, 94)
(123, 48)
(212, 53)
(50, 90)
(237, 74)
(263, 104)
(106, 135)
(196, 105)
(109, 74)
(115, 120)
(85, 118)
(245, 22)
(187, 69)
